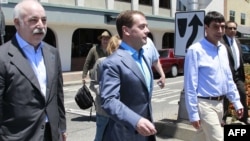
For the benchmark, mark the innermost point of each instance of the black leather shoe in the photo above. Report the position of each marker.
(245, 122)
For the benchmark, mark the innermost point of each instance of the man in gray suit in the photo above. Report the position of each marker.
(31, 85)
(126, 83)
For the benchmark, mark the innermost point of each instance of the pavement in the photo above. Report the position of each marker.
(169, 129)
(172, 128)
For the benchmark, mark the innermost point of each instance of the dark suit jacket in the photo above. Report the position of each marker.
(241, 72)
(23, 107)
(124, 97)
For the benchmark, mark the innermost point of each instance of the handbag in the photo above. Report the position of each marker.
(83, 98)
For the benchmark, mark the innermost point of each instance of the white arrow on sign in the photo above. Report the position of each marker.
(189, 28)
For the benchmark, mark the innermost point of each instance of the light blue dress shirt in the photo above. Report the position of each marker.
(150, 52)
(36, 61)
(207, 74)
(139, 59)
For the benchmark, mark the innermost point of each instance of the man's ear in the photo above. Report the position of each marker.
(125, 30)
(16, 22)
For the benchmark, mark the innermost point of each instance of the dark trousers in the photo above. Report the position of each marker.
(47, 133)
(242, 92)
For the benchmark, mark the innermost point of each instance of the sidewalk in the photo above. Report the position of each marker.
(72, 78)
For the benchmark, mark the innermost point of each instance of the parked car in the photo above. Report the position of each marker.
(171, 64)
(245, 53)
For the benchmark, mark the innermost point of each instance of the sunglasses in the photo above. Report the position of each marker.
(231, 28)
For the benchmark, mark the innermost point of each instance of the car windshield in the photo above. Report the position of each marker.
(245, 48)
(163, 53)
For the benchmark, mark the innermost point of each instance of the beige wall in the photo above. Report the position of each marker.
(239, 6)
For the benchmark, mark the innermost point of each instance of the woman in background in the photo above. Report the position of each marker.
(101, 116)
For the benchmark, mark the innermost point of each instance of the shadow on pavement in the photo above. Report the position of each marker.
(84, 118)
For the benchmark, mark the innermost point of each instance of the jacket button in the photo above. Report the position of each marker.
(42, 126)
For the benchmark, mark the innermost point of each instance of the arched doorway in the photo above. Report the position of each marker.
(168, 40)
(83, 40)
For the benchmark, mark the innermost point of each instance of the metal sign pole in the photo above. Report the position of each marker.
(2, 21)
(192, 5)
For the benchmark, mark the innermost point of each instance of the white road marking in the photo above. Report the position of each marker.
(80, 112)
(159, 95)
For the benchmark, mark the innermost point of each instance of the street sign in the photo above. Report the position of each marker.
(189, 28)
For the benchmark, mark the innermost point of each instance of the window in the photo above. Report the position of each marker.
(124, 0)
(242, 18)
(145, 2)
(232, 15)
(164, 4)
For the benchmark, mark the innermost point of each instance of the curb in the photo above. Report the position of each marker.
(71, 83)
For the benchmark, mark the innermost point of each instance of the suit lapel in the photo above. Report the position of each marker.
(227, 44)
(49, 61)
(129, 62)
(19, 59)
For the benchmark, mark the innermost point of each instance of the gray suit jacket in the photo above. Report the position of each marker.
(23, 107)
(124, 97)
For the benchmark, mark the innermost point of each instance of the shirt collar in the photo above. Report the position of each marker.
(210, 44)
(22, 43)
(229, 39)
(132, 51)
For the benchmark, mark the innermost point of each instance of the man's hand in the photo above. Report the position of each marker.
(64, 136)
(161, 82)
(240, 113)
(145, 127)
(196, 124)
(83, 80)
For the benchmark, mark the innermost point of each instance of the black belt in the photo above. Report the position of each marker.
(219, 98)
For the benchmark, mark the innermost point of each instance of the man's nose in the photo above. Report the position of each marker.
(40, 23)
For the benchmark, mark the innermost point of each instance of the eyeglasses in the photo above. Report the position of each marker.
(231, 28)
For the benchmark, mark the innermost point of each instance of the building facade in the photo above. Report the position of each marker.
(73, 25)
(239, 13)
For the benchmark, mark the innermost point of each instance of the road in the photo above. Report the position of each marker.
(165, 106)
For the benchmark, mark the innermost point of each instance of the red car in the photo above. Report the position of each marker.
(170, 63)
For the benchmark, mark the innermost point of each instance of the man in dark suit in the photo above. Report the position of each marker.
(237, 67)
(31, 84)
(126, 83)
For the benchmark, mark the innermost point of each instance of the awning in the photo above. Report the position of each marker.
(243, 31)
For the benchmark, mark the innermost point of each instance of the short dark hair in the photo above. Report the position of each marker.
(213, 16)
(228, 22)
(125, 18)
